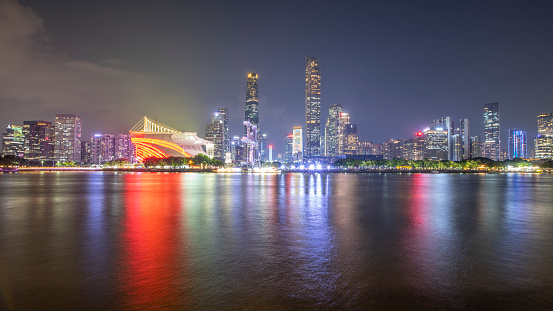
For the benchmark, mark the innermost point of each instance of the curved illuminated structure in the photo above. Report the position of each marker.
(150, 147)
(153, 139)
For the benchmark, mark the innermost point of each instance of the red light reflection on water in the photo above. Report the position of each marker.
(151, 241)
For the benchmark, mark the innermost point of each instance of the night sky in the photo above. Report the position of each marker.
(393, 65)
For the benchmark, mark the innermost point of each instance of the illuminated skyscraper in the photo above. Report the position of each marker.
(475, 147)
(332, 135)
(214, 132)
(464, 132)
(492, 140)
(68, 138)
(343, 121)
(252, 100)
(543, 143)
(517, 144)
(312, 108)
(123, 148)
(351, 139)
(289, 147)
(223, 112)
(13, 141)
(39, 140)
(436, 142)
(545, 123)
(297, 145)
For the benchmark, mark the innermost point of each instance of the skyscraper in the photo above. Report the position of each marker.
(475, 147)
(288, 149)
(312, 108)
(252, 100)
(223, 112)
(436, 142)
(351, 139)
(39, 140)
(214, 132)
(517, 144)
(297, 145)
(343, 121)
(124, 149)
(68, 138)
(332, 130)
(464, 132)
(13, 141)
(543, 143)
(492, 141)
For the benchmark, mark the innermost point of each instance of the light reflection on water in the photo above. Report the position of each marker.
(100, 240)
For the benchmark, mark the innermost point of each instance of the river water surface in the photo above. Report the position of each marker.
(193, 241)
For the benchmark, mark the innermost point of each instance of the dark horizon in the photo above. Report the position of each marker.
(394, 66)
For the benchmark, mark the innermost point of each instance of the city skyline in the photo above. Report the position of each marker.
(428, 80)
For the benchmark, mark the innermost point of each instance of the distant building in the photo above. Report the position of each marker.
(464, 132)
(545, 123)
(39, 140)
(436, 142)
(288, 151)
(543, 147)
(492, 139)
(517, 147)
(475, 147)
(377, 149)
(124, 149)
(297, 145)
(13, 141)
(87, 152)
(103, 148)
(237, 150)
(252, 100)
(365, 148)
(214, 132)
(68, 138)
(393, 149)
(342, 124)
(351, 139)
(543, 143)
(456, 142)
(312, 107)
(332, 129)
(263, 147)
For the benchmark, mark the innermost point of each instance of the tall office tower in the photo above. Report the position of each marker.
(543, 147)
(393, 149)
(124, 148)
(223, 112)
(517, 147)
(475, 147)
(343, 121)
(351, 139)
(288, 151)
(214, 132)
(545, 123)
(13, 141)
(39, 140)
(543, 143)
(332, 134)
(436, 142)
(464, 132)
(263, 147)
(447, 124)
(87, 152)
(68, 138)
(297, 144)
(312, 108)
(270, 153)
(252, 100)
(492, 140)
(457, 147)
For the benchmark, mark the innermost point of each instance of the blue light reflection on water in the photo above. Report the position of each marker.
(289, 241)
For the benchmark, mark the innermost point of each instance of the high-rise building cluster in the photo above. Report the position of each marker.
(61, 142)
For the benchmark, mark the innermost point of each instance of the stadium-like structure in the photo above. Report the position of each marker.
(154, 139)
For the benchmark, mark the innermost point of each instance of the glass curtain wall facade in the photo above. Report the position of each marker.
(252, 100)
(68, 138)
(492, 139)
(312, 108)
(517, 147)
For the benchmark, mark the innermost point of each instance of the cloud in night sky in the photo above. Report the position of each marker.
(36, 82)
